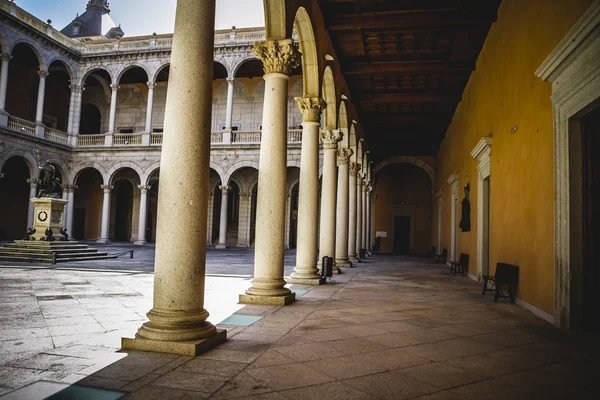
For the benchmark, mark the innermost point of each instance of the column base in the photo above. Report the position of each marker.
(102, 241)
(353, 259)
(221, 246)
(305, 281)
(343, 263)
(185, 348)
(267, 300)
(140, 242)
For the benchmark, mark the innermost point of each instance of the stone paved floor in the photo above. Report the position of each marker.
(393, 328)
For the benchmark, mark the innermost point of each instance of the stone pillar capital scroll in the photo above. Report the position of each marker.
(230, 80)
(76, 88)
(114, 86)
(106, 188)
(331, 138)
(311, 108)
(354, 169)
(6, 57)
(343, 155)
(42, 73)
(144, 188)
(278, 56)
(224, 189)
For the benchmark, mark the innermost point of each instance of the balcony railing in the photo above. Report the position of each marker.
(21, 125)
(216, 137)
(127, 139)
(245, 137)
(90, 140)
(156, 139)
(294, 135)
(56, 135)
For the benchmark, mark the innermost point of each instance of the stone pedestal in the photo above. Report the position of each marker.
(48, 213)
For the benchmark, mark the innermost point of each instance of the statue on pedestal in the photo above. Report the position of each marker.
(49, 183)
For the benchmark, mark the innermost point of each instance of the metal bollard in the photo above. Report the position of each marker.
(53, 257)
(130, 254)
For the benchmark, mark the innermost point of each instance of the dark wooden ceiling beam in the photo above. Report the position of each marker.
(434, 97)
(381, 68)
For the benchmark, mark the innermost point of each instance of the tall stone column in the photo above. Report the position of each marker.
(330, 141)
(105, 214)
(306, 271)
(343, 201)
(365, 185)
(369, 220)
(178, 318)
(352, 213)
(113, 108)
(278, 57)
(4, 80)
(223, 221)
(70, 208)
(74, 113)
(143, 214)
(32, 193)
(229, 110)
(359, 198)
(39, 111)
(209, 225)
(149, 106)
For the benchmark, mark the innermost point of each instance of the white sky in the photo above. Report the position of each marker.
(143, 17)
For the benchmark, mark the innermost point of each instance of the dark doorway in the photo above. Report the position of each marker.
(124, 207)
(591, 220)
(294, 216)
(79, 223)
(14, 198)
(90, 119)
(401, 235)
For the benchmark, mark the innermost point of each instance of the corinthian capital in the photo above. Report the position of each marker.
(278, 56)
(311, 108)
(331, 138)
(343, 155)
(354, 168)
(5, 57)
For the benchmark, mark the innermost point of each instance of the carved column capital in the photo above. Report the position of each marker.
(144, 188)
(70, 187)
(114, 86)
(6, 57)
(343, 155)
(278, 56)
(224, 189)
(106, 188)
(230, 80)
(151, 85)
(354, 168)
(76, 88)
(331, 138)
(311, 108)
(43, 74)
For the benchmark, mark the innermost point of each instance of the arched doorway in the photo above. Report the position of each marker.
(57, 97)
(87, 212)
(124, 206)
(132, 101)
(91, 119)
(95, 101)
(14, 198)
(23, 82)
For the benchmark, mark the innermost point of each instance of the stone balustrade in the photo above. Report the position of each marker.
(56, 135)
(21, 125)
(123, 139)
(90, 140)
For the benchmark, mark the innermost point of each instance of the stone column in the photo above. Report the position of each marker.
(330, 141)
(365, 186)
(352, 213)
(39, 111)
(149, 105)
(105, 214)
(74, 113)
(4, 80)
(305, 271)
(113, 108)
(70, 208)
(32, 193)
(359, 198)
(209, 225)
(178, 318)
(143, 214)
(278, 57)
(229, 110)
(341, 239)
(369, 221)
(223, 221)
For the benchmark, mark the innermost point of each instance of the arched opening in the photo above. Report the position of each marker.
(132, 98)
(95, 107)
(294, 216)
(125, 205)
(240, 204)
(91, 119)
(23, 82)
(219, 99)
(216, 214)
(57, 97)
(308, 48)
(330, 98)
(14, 198)
(250, 69)
(87, 211)
(403, 211)
(152, 206)
(160, 99)
(254, 197)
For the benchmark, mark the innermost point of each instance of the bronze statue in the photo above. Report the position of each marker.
(49, 183)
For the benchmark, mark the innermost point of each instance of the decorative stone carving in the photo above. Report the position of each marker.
(106, 188)
(224, 189)
(6, 57)
(311, 108)
(278, 56)
(331, 138)
(114, 87)
(144, 188)
(42, 73)
(343, 155)
(354, 168)
(76, 89)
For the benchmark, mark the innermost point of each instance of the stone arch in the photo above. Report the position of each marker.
(330, 98)
(3, 42)
(219, 170)
(240, 90)
(342, 116)
(293, 163)
(158, 71)
(126, 68)
(120, 165)
(231, 72)
(36, 51)
(95, 68)
(145, 179)
(87, 165)
(308, 48)
(239, 165)
(72, 73)
(29, 160)
(275, 19)
(407, 160)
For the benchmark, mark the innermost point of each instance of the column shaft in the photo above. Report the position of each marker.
(70, 211)
(352, 212)
(359, 214)
(229, 110)
(178, 318)
(105, 214)
(113, 108)
(223, 220)
(39, 111)
(32, 193)
(341, 240)
(143, 214)
(364, 215)
(4, 80)
(149, 105)
(279, 57)
(369, 222)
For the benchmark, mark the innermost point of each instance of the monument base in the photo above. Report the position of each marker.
(47, 214)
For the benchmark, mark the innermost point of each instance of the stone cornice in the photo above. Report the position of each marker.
(483, 146)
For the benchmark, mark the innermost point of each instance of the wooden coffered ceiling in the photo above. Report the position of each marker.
(406, 63)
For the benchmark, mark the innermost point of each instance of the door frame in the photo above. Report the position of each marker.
(573, 69)
(403, 210)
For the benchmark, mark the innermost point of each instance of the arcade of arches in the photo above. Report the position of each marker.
(472, 140)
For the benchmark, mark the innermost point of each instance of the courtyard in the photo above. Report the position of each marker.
(394, 327)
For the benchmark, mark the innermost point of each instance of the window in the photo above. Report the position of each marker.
(157, 130)
(125, 130)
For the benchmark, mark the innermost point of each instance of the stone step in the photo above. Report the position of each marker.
(30, 250)
(37, 245)
(98, 256)
(42, 243)
(49, 255)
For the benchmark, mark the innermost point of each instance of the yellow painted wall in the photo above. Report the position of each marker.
(503, 92)
(403, 184)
